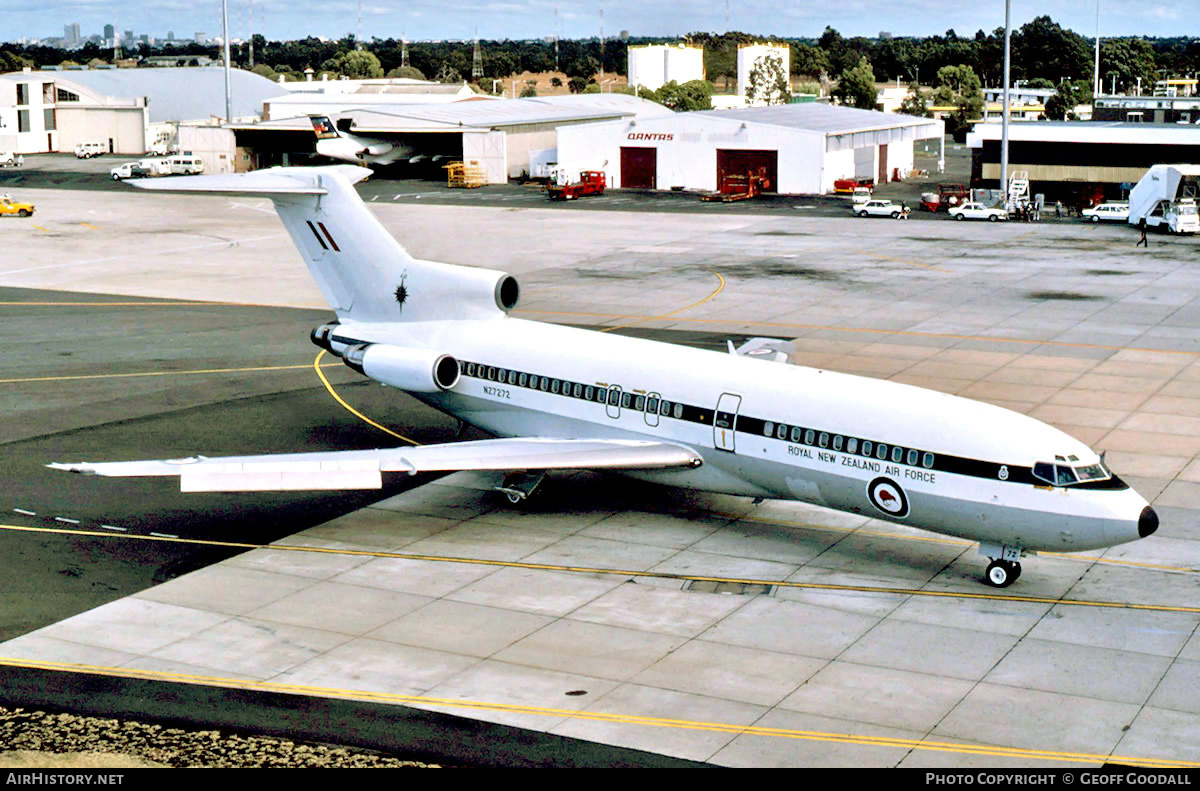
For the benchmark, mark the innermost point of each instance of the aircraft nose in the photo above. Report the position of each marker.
(1147, 522)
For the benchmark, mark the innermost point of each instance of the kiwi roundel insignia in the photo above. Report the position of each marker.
(886, 495)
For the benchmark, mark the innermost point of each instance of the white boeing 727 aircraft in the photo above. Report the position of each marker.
(559, 398)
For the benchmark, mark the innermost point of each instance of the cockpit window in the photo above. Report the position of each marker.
(1066, 475)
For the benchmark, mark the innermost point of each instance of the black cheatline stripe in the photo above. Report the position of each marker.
(329, 236)
(956, 465)
(320, 241)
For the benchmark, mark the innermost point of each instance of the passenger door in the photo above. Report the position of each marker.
(725, 421)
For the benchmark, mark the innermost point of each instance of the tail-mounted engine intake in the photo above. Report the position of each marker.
(414, 370)
(321, 336)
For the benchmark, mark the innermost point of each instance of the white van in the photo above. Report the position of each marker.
(7, 159)
(186, 165)
(90, 149)
(155, 167)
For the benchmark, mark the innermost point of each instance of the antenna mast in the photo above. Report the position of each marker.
(477, 60)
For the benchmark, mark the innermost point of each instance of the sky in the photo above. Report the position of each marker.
(519, 19)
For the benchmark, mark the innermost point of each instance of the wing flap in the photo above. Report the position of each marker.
(362, 469)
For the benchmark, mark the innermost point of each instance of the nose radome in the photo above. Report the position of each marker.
(1147, 522)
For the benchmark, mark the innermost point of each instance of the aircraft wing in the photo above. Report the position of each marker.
(362, 469)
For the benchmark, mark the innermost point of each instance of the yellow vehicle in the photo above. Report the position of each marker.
(10, 206)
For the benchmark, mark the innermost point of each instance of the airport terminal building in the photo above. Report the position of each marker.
(124, 109)
(802, 148)
(1062, 157)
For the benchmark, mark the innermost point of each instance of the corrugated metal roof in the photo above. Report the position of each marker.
(179, 94)
(1089, 132)
(817, 117)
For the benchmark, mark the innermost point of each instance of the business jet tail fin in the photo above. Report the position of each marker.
(363, 272)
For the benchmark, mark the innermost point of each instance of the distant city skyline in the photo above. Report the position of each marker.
(530, 19)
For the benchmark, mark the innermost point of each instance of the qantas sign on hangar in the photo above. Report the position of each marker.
(799, 148)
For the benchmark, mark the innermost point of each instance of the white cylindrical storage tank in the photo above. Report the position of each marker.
(647, 67)
(749, 54)
(683, 64)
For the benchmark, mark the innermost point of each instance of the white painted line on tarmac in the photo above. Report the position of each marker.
(164, 535)
(23, 511)
(114, 527)
(66, 520)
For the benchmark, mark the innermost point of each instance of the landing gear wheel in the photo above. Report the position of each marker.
(1001, 573)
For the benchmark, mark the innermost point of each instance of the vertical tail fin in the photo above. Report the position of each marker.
(323, 127)
(363, 272)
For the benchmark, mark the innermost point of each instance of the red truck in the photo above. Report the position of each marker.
(849, 185)
(591, 182)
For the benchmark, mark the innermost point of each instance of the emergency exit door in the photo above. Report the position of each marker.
(725, 421)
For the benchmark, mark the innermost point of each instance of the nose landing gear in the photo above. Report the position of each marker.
(1005, 567)
(1002, 573)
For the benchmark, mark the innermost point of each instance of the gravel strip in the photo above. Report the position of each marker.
(37, 739)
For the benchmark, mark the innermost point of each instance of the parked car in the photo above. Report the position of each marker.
(1117, 212)
(881, 208)
(130, 170)
(90, 149)
(14, 207)
(186, 165)
(977, 211)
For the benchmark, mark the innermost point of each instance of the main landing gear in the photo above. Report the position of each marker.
(1005, 567)
(518, 487)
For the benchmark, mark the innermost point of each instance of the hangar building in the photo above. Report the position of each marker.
(503, 135)
(49, 111)
(803, 148)
(1063, 157)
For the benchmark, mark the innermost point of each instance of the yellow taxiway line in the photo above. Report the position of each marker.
(609, 717)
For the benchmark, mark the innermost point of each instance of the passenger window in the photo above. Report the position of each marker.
(576, 389)
(768, 429)
(809, 436)
(797, 433)
(544, 384)
(781, 432)
(639, 402)
(614, 397)
(837, 442)
(491, 373)
(823, 439)
(512, 377)
(664, 408)
(913, 455)
(652, 406)
(523, 380)
(553, 385)
(469, 368)
(897, 454)
(626, 400)
(927, 461)
(866, 447)
(852, 445)
(881, 451)
(589, 393)
(678, 410)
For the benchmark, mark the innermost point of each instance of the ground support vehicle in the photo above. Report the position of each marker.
(977, 211)
(16, 208)
(7, 159)
(947, 197)
(848, 186)
(129, 170)
(591, 182)
(90, 149)
(1166, 198)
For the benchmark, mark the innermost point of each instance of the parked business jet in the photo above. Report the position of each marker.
(558, 398)
(337, 144)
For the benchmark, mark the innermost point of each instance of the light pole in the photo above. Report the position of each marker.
(1004, 121)
(225, 37)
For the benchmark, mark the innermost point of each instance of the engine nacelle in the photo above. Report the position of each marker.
(414, 370)
(321, 336)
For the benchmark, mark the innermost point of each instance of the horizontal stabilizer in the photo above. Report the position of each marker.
(771, 349)
(272, 181)
(362, 469)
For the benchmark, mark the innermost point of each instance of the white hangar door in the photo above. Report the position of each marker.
(864, 162)
(491, 151)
